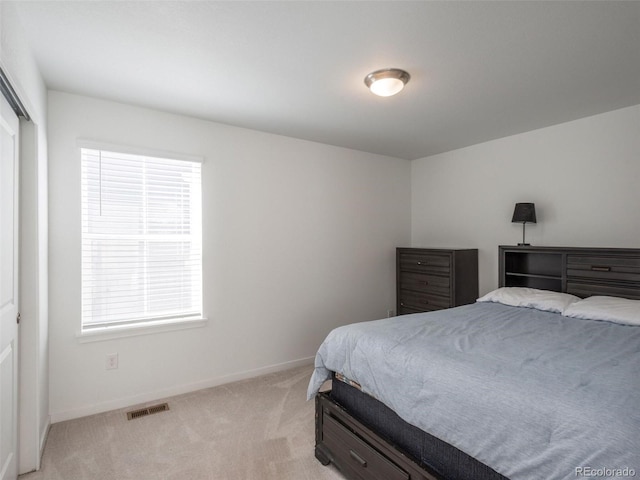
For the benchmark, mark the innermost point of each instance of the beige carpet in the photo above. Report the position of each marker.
(259, 429)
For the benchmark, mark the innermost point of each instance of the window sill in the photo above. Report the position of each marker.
(122, 331)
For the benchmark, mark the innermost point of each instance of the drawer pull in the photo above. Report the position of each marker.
(426, 302)
(595, 268)
(358, 458)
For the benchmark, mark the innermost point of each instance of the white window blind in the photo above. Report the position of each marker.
(141, 239)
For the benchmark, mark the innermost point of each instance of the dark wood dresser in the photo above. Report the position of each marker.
(579, 271)
(435, 278)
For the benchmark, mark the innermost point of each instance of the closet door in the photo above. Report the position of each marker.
(9, 127)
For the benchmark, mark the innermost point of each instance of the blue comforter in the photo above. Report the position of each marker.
(534, 395)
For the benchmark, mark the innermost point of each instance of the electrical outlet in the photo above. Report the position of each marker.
(111, 362)
(391, 313)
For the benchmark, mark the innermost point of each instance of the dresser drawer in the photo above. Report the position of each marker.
(422, 301)
(356, 456)
(422, 282)
(425, 263)
(404, 310)
(603, 267)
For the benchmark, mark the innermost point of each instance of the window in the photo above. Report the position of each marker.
(141, 239)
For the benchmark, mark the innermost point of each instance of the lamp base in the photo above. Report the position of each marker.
(524, 244)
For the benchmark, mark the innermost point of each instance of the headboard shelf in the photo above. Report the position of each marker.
(580, 271)
(532, 275)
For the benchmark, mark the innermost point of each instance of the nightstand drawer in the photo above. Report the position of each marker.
(425, 263)
(355, 455)
(603, 268)
(421, 282)
(422, 301)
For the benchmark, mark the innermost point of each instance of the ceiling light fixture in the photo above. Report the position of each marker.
(386, 82)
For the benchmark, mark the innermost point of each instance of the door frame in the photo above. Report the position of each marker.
(33, 375)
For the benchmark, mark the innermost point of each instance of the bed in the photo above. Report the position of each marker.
(501, 389)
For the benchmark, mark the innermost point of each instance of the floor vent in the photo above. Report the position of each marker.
(143, 412)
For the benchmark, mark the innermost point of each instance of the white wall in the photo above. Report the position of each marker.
(584, 177)
(18, 62)
(299, 238)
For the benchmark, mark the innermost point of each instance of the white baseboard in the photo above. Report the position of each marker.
(177, 390)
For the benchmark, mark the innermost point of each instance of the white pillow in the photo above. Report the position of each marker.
(531, 298)
(611, 309)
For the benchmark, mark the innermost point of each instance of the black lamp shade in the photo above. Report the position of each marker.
(524, 213)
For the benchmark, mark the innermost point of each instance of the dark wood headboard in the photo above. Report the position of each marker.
(580, 271)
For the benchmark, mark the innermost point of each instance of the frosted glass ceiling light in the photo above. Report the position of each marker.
(386, 82)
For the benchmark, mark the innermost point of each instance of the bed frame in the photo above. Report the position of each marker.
(361, 451)
(358, 451)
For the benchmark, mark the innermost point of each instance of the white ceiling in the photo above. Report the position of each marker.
(479, 70)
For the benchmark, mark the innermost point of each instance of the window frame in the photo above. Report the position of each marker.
(98, 332)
